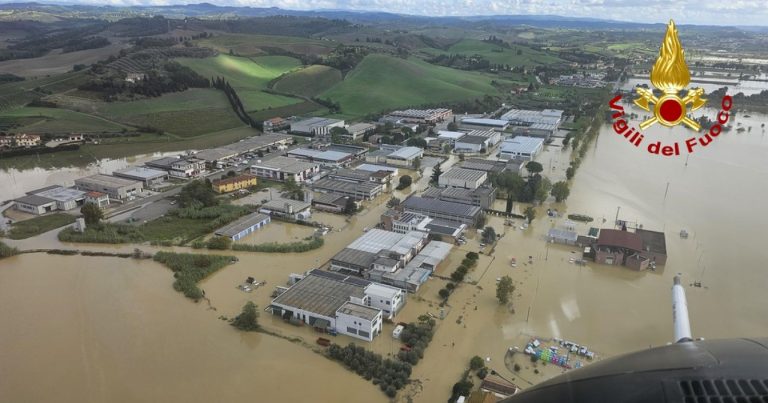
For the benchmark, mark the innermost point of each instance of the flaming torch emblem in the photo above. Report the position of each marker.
(670, 75)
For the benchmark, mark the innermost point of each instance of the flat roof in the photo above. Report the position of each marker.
(256, 142)
(562, 234)
(406, 153)
(164, 162)
(464, 174)
(446, 134)
(355, 257)
(35, 200)
(484, 165)
(241, 224)
(485, 122)
(375, 168)
(484, 133)
(280, 205)
(543, 126)
(442, 227)
(472, 139)
(141, 172)
(347, 148)
(334, 156)
(360, 311)
(61, 194)
(360, 126)
(383, 290)
(352, 174)
(320, 294)
(345, 186)
(317, 121)
(533, 116)
(376, 240)
(521, 145)
(620, 239)
(286, 164)
(108, 181)
(432, 255)
(329, 198)
(441, 206)
(653, 241)
(215, 154)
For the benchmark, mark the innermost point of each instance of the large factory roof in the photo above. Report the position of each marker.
(322, 294)
(376, 240)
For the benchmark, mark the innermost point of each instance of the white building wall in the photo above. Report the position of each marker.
(389, 304)
(358, 327)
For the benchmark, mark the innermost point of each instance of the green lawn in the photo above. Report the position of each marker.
(309, 81)
(38, 225)
(382, 82)
(254, 45)
(54, 120)
(499, 55)
(20, 93)
(248, 76)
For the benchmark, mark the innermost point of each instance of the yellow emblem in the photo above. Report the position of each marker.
(670, 75)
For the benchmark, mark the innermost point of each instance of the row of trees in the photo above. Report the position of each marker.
(390, 375)
(234, 101)
(469, 262)
(417, 336)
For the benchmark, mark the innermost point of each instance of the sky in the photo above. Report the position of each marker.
(700, 12)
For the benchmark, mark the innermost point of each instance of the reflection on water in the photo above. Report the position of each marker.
(16, 182)
(709, 84)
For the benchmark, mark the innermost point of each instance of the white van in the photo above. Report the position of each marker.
(397, 331)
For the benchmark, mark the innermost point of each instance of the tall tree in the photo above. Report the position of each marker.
(91, 213)
(560, 191)
(543, 188)
(436, 172)
(504, 289)
(350, 207)
(530, 213)
(489, 234)
(534, 167)
(248, 320)
(293, 189)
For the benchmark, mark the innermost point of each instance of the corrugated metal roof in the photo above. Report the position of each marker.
(440, 206)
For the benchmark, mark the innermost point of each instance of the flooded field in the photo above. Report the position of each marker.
(15, 182)
(101, 329)
(709, 84)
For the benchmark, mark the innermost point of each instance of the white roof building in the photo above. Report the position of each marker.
(521, 148)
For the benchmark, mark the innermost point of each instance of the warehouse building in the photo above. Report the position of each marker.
(377, 168)
(543, 130)
(411, 277)
(65, 198)
(428, 116)
(283, 168)
(355, 190)
(472, 144)
(228, 185)
(489, 166)
(288, 208)
(179, 167)
(148, 176)
(493, 136)
(36, 205)
(330, 202)
(243, 226)
(358, 130)
(449, 137)
(315, 126)
(483, 196)
(525, 117)
(462, 178)
(381, 177)
(357, 152)
(97, 198)
(562, 236)
(330, 302)
(521, 148)
(116, 188)
(445, 210)
(378, 247)
(405, 156)
(396, 221)
(484, 124)
(324, 157)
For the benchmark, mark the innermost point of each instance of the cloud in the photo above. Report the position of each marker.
(702, 12)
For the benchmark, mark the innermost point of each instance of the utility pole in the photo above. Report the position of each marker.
(616, 221)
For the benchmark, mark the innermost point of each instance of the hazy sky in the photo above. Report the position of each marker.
(714, 12)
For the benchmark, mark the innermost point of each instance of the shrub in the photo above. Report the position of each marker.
(294, 247)
(248, 320)
(189, 269)
(444, 293)
(7, 251)
(476, 363)
(219, 243)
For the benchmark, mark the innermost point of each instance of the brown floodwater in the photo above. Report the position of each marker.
(103, 329)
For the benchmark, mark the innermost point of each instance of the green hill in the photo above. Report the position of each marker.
(249, 76)
(516, 55)
(381, 83)
(310, 81)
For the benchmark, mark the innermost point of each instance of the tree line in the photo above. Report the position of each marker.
(234, 100)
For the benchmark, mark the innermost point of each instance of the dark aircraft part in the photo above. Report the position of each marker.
(707, 371)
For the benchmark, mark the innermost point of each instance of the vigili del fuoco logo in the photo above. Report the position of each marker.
(670, 76)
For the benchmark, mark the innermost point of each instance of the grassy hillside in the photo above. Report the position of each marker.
(20, 93)
(382, 82)
(248, 76)
(255, 45)
(31, 120)
(499, 55)
(310, 81)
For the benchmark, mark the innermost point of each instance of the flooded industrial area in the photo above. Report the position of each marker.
(89, 329)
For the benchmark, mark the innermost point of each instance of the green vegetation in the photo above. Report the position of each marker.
(219, 243)
(560, 191)
(189, 269)
(248, 76)
(196, 194)
(53, 120)
(489, 235)
(476, 362)
(504, 289)
(436, 172)
(469, 262)
(404, 182)
(309, 243)
(177, 227)
(580, 217)
(390, 375)
(7, 251)
(248, 320)
(308, 82)
(257, 45)
(529, 213)
(515, 55)
(21, 93)
(417, 336)
(383, 82)
(91, 213)
(38, 225)
(534, 167)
